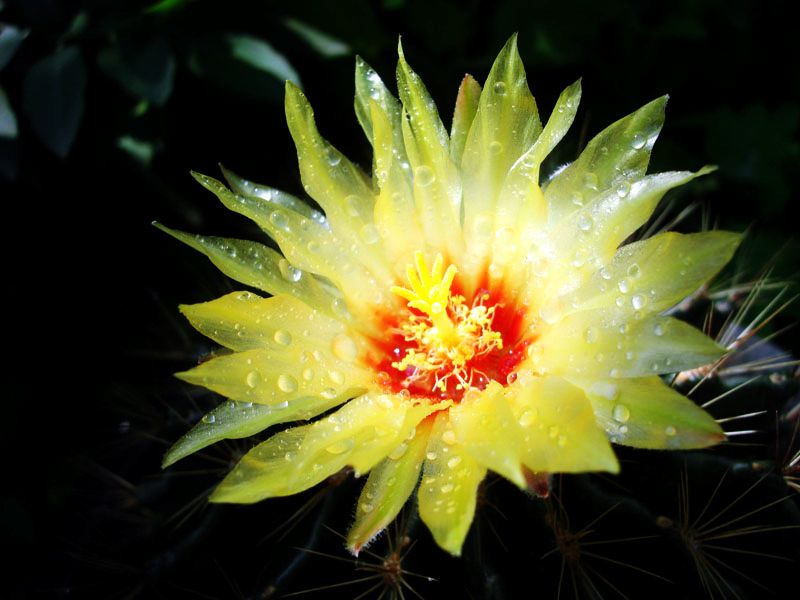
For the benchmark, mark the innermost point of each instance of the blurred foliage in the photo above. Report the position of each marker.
(105, 106)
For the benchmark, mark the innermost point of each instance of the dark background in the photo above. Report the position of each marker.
(108, 105)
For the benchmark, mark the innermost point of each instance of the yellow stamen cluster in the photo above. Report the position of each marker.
(449, 333)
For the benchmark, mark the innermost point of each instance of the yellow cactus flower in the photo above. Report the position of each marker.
(453, 313)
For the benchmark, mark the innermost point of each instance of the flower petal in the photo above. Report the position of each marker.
(618, 153)
(586, 241)
(599, 342)
(258, 266)
(340, 188)
(559, 430)
(665, 268)
(388, 487)
(370, 88)
(646, 413)
(359, 434)
(505, 126)
(395, 215)
(437, 184)
(447, 492)
(235, 420)
(308, 245)
(487, 429)
(469, 93)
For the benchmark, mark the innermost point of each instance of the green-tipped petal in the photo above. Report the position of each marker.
(370, 88)
(235, 420)
(388, 487)
(486, 427)
(448, 489)
(620, 152)
(646, 413)
(587, 239)
(436, 180)
(505, 126)
(258, 266)
(665, 268)
(469, 93)
(559, 430)
(359, 434)
(599, 342)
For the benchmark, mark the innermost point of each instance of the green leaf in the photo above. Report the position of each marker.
(53, 98)
(326, 45)
(143, 68)
(258, 54)
(10, 39)
(8, 120)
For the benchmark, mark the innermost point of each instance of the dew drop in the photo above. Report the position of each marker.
(366, 507)
(209, 419)
(634, 270)
(336, 377)
(577, 198)
(344, 348)
(670, 431)
(495, 148)
(431, 456)
(590, 335)
(511, 378)
(288, 272)
(621, 413)
(369, 234)
(399, 451)
(585, 222)
(500, 88)
(527, 418)
(328, 393)
(424, 176)
(590, 181)
(279, 219)
(352, 203)
(333, 157)
(614, 373)
(638, 141)
(658, 329)
(253, 379)
(287, 383)
(447, 488)
(454, 462)
(624, 286)
(605, 274)
(449, 437)
(623, 189)
(638, 301)
(340, 447)
(308, 374)
(282, 337)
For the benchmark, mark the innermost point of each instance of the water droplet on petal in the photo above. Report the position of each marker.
(590, 181)
(495, 148)
(633, 270)
(341, 446)
(336, 377)
(366, 507)
(454, 462)
(500, 88)
(638, 301)
(287, 383)
(288, 272)
(279, 219)
(590, 335)
(449, 437)
(447, 488)
(585, 222)
(624, 286)
(209, 419)
(621, 413)
(670, 430)
(658, 329)
(308, 374)
(623, 189)
(399, 451)
(369, 234)
(638, 141)
(253, 379)
(431, 456)
(424, 176)
(333, 157)
(527, 418)
(282, 337)
(344, 348)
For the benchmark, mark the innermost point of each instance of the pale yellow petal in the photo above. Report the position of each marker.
(559, 430)
(485, 426)
(448, 489)
(388, 487)
(644, 412)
